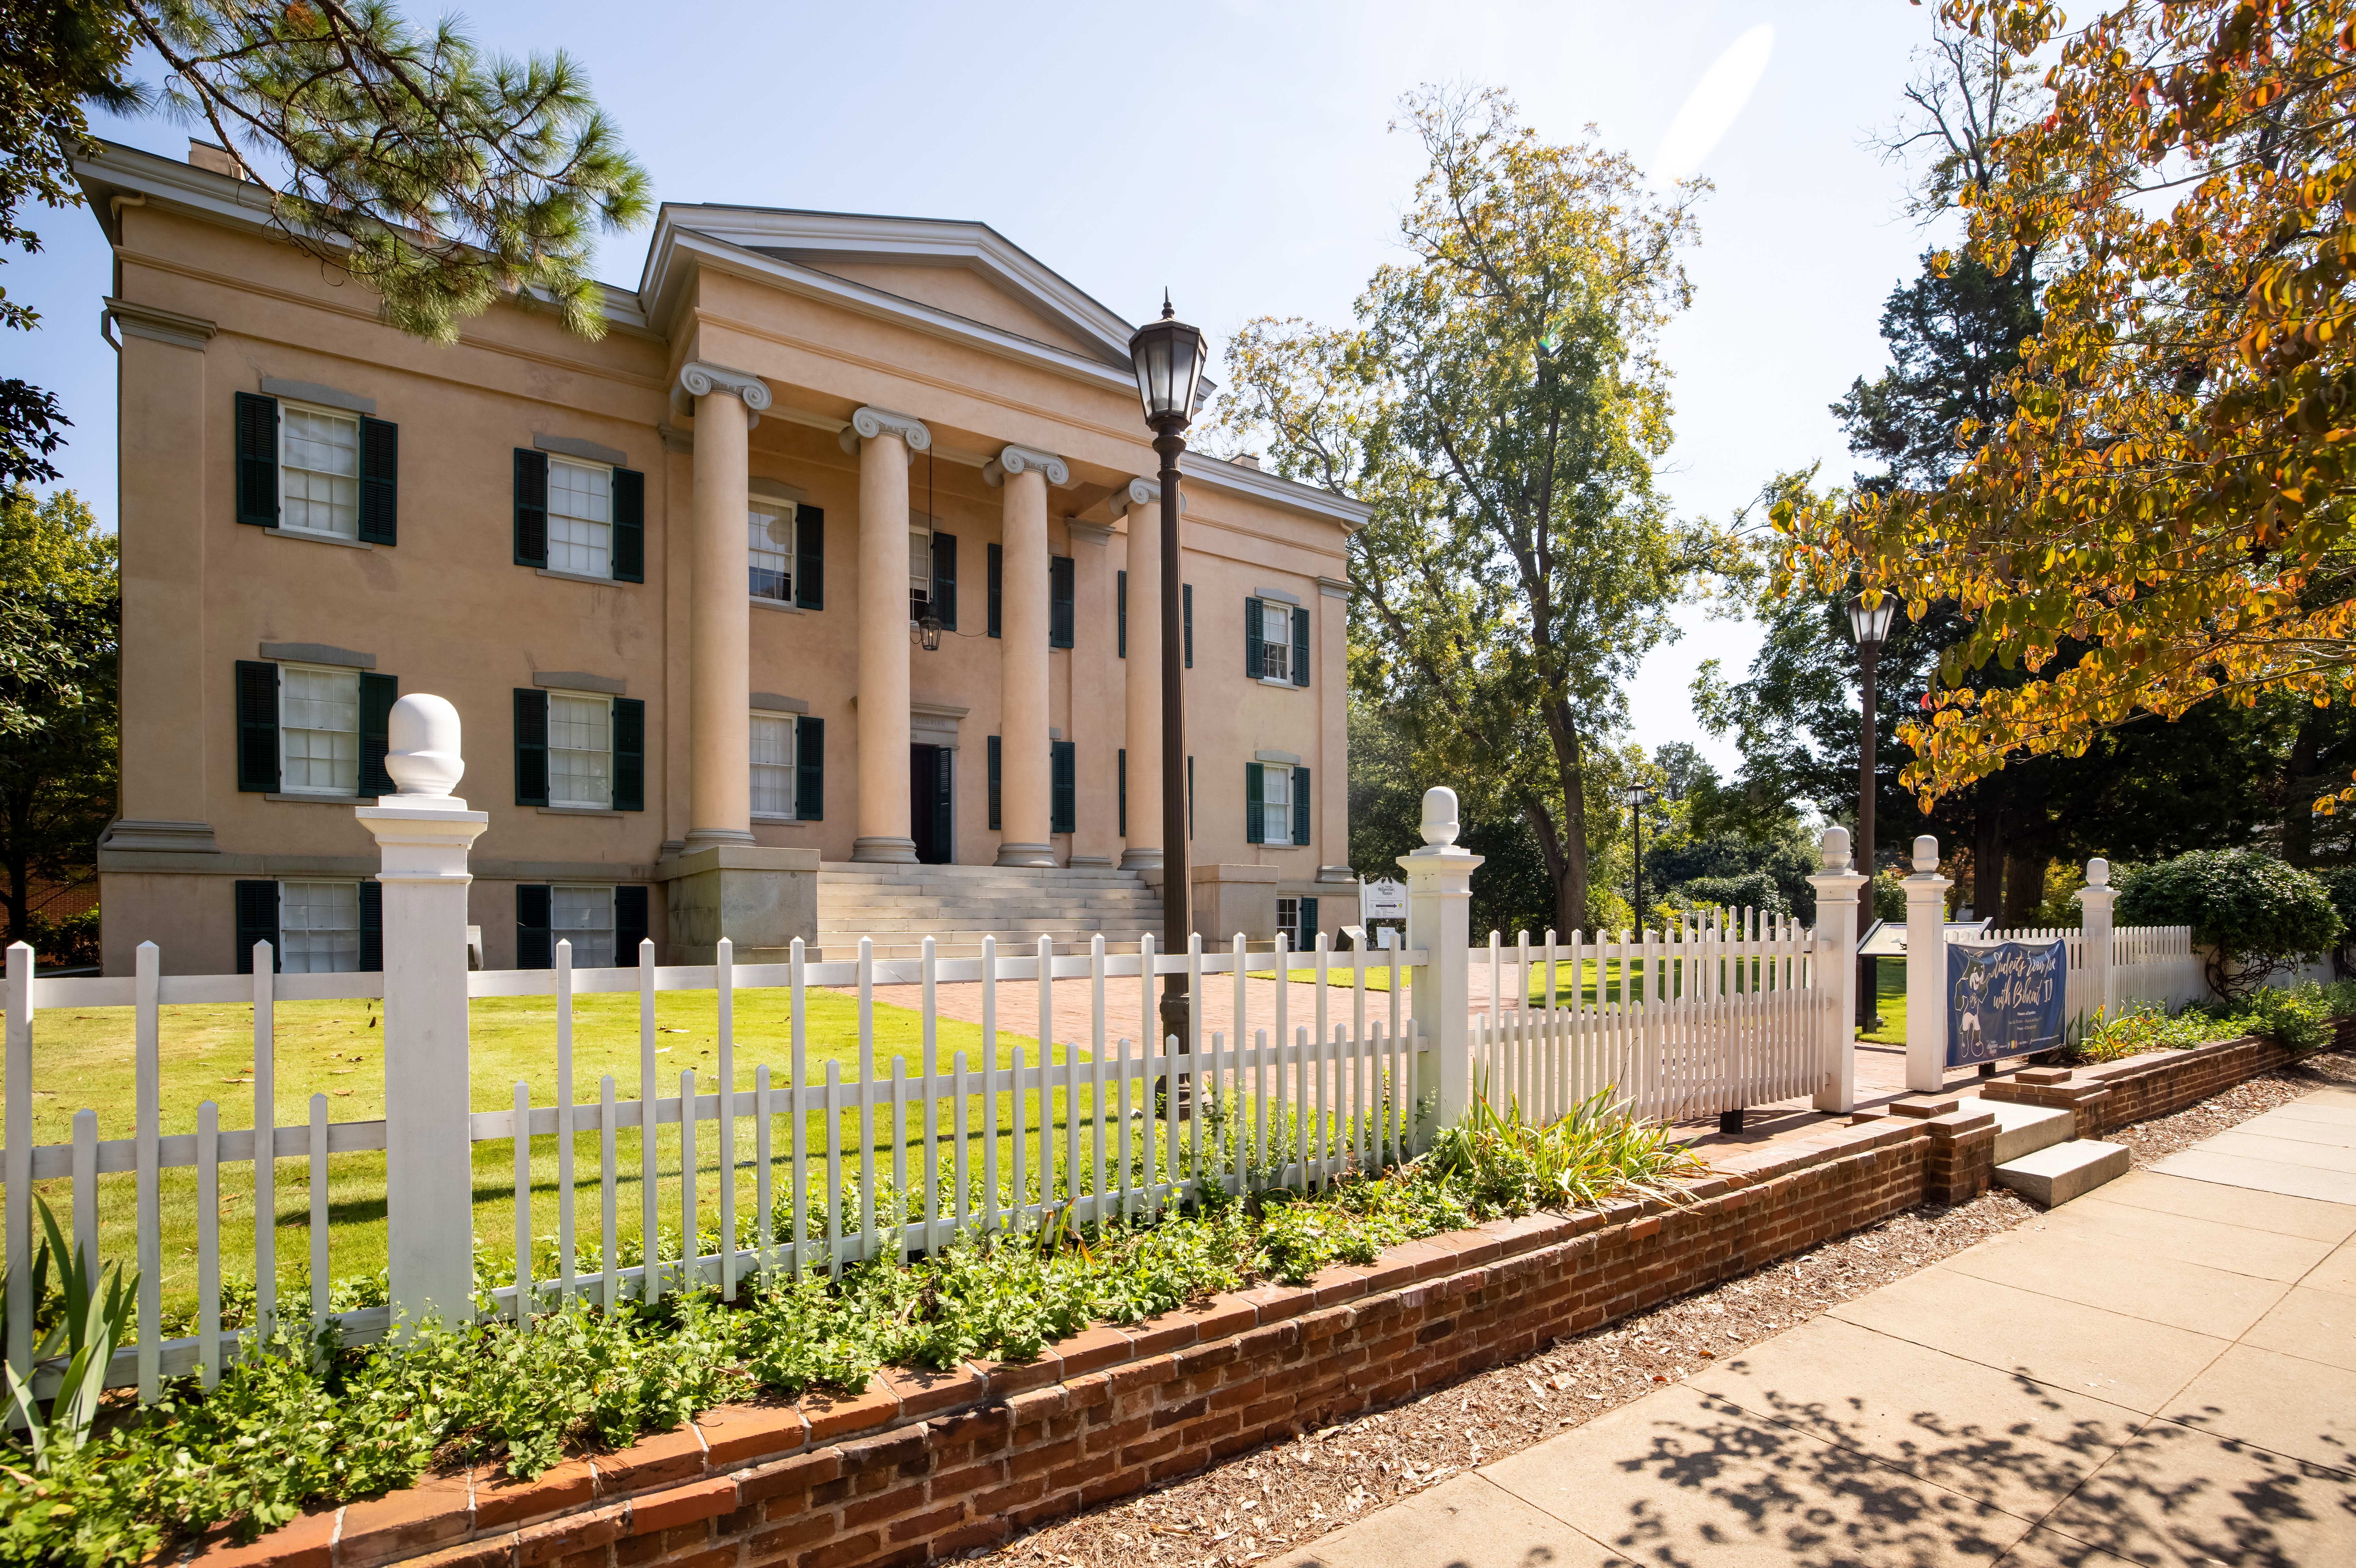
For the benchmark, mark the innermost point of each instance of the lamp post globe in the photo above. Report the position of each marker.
(1869, 614)
(1167, 355)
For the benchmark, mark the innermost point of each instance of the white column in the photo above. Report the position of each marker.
(423, 835)
(1926, 970)
(720, 734)
(886, 444)
(1439, 921)
(1835, 971)
(1024, 795)
(1142, 686)
(2096, 899)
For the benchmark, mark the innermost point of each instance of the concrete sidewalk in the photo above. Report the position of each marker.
(2162, 1372)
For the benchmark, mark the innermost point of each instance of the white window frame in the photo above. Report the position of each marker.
(1268, 835)
(792, 767)
(560, 933)
(555, 696)
(285, 785)
(788, 513)
(1292, 927)
(288, 956)
(920, 580)
(586, 466)
(1285, 642)
(279, 467)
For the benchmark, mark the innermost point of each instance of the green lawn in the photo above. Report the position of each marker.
(1889, 991)
(84, 1058)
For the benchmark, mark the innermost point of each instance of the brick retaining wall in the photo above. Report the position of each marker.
(924, 1466)
(2110, 1095)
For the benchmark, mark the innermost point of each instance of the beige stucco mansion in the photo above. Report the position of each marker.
(678, 582)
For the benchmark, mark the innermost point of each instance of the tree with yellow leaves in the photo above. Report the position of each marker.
(2164, 518)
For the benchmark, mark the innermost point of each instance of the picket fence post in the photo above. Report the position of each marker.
(1835, 960)
(1439, 922)
(1926, 970)
(2095, 901)
(423, 835)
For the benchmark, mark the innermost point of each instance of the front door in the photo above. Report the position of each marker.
(928, 802)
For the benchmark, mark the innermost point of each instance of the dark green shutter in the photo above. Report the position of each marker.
(257, 729)
(1059, 602)
(257, 921)
(379, 482)
(1120, 793)
(1190, 797)
(535, 948)
(1255, 657)
(378, 694)
(1063, 787)
(629, 923)
(944, 798)
(1300, 806)
(997, 571)
(531, 507)
(530, 748)
(1186, 615)
(1300, 645)
(1307, 923)
(629, 754)
(257, 462)
(993, 776)
(371, 927)
(809, 772)
(945, 579)
(1120, 613)
(629, 526)
(810, 558)
(1255, 804)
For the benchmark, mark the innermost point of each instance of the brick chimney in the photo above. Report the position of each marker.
(1246, 460)
(217, 159)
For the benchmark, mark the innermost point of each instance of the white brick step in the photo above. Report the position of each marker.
(2024, 1129)
(2053, 1175)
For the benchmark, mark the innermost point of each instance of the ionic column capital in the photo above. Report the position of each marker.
(701, 378)
(1142, 493)
(870, 422)
(1026, 460)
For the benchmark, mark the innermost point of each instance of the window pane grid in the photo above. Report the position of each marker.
(319, 927)
(319, 472)
(580, 751)
(1276, 640)
(580, 519)
(318, 730)
(584, 917)
(1276, 798)
(773, 765)
(771, 553)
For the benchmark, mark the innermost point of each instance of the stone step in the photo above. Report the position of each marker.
(2024, 1129)
(2059, 1172)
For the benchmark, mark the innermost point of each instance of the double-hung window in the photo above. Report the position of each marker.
(313, 927)
(318, 729)
(603, 924)
(1276, 640)
(774, 764)
(580, 517)
(1276, 787)
(584, 917)
(319, 471)
(771, 524)
(1276, 632)
(580, 751)
(1275, 803)
(920, 573)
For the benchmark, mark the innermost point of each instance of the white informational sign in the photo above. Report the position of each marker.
(1385, 898)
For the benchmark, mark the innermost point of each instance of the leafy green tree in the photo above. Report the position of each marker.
(1500, 402)
(59, 624)
(2257, 915)
(442, 178)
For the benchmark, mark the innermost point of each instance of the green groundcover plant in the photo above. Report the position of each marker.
(295, 1422)
(2297, 1017)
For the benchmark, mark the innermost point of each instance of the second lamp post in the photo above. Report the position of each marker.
(1869, 619)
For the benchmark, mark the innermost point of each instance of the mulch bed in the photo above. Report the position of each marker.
(1292, 1492)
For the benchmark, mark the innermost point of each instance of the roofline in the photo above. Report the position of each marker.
(119, 169)
(1217, 473)
(888, 238)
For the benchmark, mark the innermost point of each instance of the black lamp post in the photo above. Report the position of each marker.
(1167, 358)
(1638, 795)
(1868, 620)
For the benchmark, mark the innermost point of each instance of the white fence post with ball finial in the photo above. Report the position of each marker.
(1835, 960)
(1439, 922)
(2095, 901)
(423, 835)
(1926, 970)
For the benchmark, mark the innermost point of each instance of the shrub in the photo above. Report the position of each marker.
(1749, 890)
(69, 942)
(2293, 1018)
(2256, 915)
(2138, 1029)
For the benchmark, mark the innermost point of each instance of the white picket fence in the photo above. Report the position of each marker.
(2151, 966)
(1710, 1016)
(1083, 1128)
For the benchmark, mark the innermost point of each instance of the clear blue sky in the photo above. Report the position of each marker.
(1238, 152)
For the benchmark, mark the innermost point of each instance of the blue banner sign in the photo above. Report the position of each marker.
(2004, 999)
